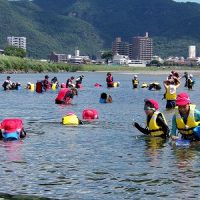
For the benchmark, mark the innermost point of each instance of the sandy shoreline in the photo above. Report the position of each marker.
(152, 72)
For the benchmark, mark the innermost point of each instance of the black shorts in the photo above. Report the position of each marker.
(171, 104)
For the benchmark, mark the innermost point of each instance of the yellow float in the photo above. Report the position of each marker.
(144, 85)
(116, 84)
(70, 119)
(53, 87)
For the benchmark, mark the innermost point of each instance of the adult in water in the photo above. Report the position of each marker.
(109, 80)
(185, 119)
(46, 83)
(54, 80)
(79, 81)
(156, 124)
(190, 82)
(69, 82)
(65, 95)
(135, 81)
(7, 85)
(186, 75)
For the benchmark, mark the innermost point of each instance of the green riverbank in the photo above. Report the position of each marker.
(9, 64)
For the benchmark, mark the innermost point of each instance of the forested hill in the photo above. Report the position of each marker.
(92, 25)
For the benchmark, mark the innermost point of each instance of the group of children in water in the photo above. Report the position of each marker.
(186, 119)
(189, 81)
(9, 85)
(12, 129)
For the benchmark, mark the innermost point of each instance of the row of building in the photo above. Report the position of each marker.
(139, 52)
(140, 48)
(75, 59)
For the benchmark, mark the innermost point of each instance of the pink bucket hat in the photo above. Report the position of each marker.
(182, 99)
(153, 102)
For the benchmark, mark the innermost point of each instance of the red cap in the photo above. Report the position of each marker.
(182, 99)
(153, 102)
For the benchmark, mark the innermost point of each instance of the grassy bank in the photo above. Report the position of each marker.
(10, 64)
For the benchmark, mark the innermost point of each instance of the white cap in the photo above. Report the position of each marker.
(191, 75)
(135, 76)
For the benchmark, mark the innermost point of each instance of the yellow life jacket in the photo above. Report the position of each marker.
(187, 128)
(53, 87)
(32, 88)
(170, 92)
(70, 120)
(154, 129)
(135, 82)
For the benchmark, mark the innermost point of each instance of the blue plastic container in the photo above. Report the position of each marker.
(181, 142)
(10, 136)
(196, 132)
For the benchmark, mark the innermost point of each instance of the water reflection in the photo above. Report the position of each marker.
(105, 159)
(186, 177)
(186, 156)
(153, 143)
(12, 150)
(154, 146)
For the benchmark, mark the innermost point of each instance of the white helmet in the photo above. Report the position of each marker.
(135, 76)
(191, 75)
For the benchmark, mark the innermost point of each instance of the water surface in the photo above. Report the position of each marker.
(106, 159)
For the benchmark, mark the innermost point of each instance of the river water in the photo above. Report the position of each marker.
(106, 159)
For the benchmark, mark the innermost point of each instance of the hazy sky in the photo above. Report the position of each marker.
(197, 1)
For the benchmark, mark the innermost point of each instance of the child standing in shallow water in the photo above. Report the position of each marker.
(190, 82)
(135, 81)
(170, 92)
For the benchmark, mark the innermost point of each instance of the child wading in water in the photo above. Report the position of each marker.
(156, 124)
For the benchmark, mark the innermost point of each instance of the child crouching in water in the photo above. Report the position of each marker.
(156, 124)
(105, 98)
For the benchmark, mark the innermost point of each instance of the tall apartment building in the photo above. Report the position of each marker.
(120, 47)
(19, 42)
(142, 48)
(192, 51)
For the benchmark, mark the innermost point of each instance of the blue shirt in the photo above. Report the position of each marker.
(174, 125)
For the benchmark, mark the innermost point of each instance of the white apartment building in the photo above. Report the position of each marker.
(120, 59)
(192, 52)
(19, 42)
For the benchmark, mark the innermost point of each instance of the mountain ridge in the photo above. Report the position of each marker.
(92, 25)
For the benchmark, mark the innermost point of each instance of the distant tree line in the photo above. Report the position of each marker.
(15, 51)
